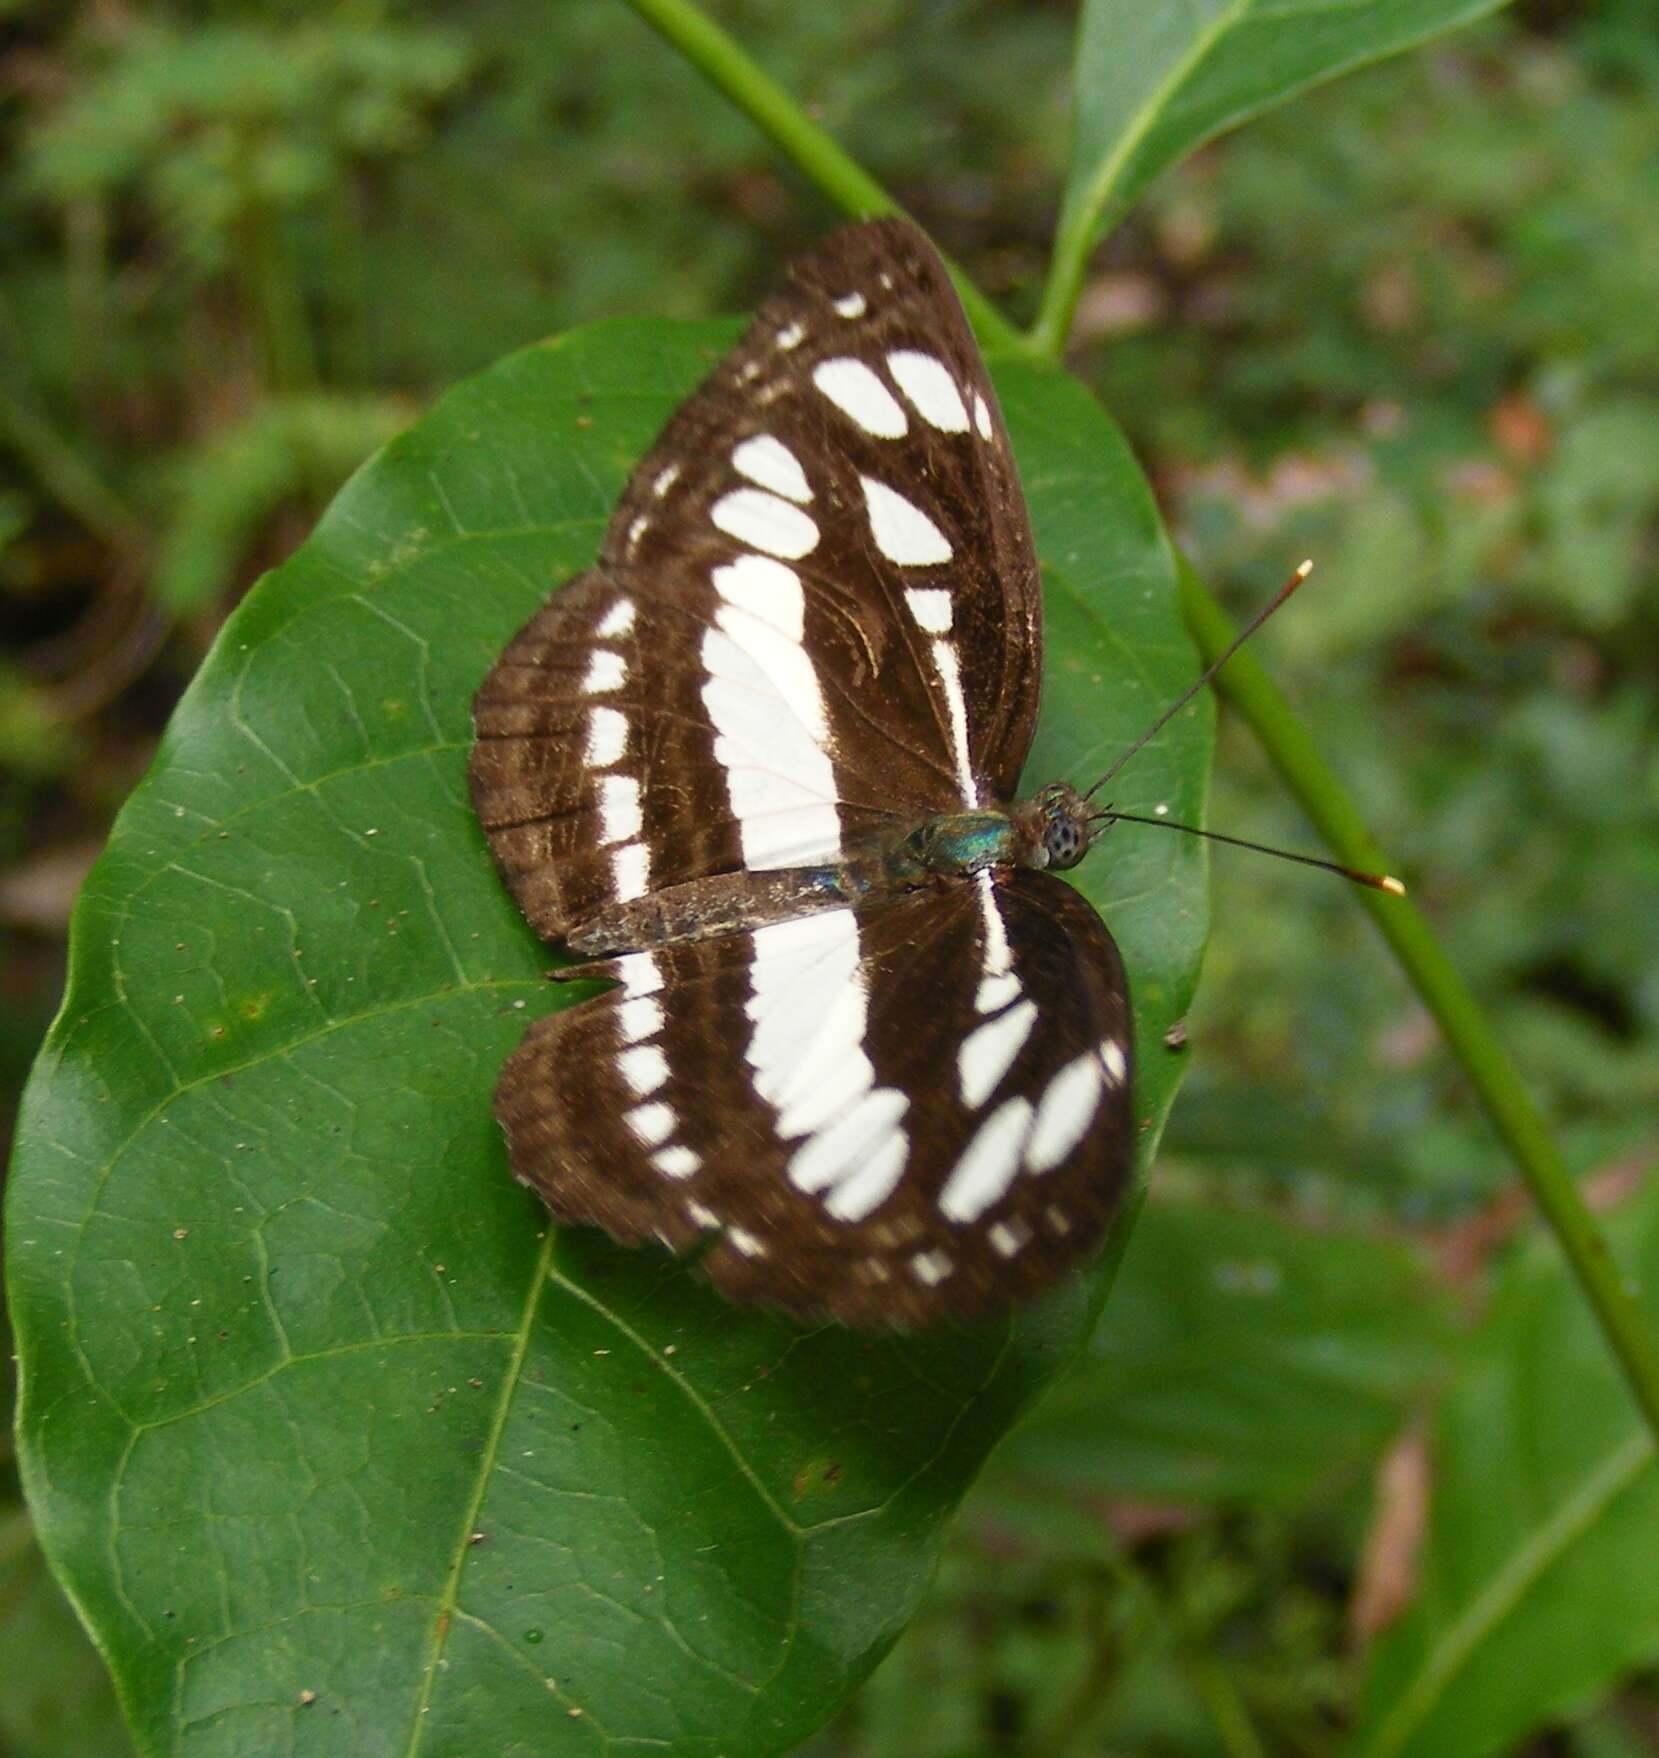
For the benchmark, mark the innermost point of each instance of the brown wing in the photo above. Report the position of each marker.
(815, 615)
(913, 1112)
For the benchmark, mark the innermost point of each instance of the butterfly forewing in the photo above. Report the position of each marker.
(815, 616)
(890, 1116)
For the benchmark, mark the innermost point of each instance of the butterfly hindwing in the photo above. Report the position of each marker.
(815, 615)
(888, 1116)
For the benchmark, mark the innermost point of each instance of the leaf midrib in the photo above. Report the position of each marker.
(444, 1619)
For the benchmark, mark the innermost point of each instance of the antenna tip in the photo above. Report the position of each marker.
(1305, 569)
(1394, 887)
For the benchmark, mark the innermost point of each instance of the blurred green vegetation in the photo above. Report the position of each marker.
(1406, 325)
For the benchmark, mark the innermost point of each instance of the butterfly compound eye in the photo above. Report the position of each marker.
(1062, 842)
(1064, 837)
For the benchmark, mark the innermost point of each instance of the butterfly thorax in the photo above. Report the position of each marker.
(1049, 830)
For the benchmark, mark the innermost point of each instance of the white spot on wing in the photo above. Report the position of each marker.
(999, 955)
(764, 521)
(605, 672)
(903, 532)
(640, 1016)
(619, 619)
(989, 1163)
(1111, 1054)
(871, 1185)
(640, 974)
(675, 1161)
(789, 337)
(644, 1068)
(630, 871)
(856, 391)
(847, 1144)
(607, 737)
(807, 1008)
(931, 1267)
(765, 589)
(771, 729)
(996, 990)
(956, 705)
(998, 986)
(982, 417)
(988, 1052)
(928, 384)
(769, 462)
(852, 305)
(620, 815)
(809, 1014)
(636, 531)
(1008, 1237)
(666, 478)
(1064, 1112)
(931, 607)
(650, 1123)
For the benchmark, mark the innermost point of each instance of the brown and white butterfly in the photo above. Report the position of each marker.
(757, 765)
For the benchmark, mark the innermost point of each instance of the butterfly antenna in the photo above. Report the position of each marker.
(1377, 881)
(1181, 701)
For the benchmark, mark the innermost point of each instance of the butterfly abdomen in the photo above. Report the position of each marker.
(727, 903)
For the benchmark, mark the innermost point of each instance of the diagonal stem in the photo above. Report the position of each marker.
(1293, 753)
(728, 67)
(1081, 216)
(1496, 1080)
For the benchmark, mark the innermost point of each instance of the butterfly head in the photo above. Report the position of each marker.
(1062, 826)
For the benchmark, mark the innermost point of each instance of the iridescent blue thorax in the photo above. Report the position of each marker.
(955, 845)
(1050, 830)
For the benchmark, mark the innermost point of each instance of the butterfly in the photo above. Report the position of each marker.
(757, 768)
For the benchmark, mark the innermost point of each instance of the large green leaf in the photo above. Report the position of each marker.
(1538, 1580)
(1155, 81)
(312, 1401)
(1243, 1359)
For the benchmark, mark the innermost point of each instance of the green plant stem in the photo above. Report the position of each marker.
(731, 71)
(1073, 244)
(1246, 685)
(1082, 219)
(274, 298)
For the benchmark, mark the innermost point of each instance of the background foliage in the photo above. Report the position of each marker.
(1403, 325)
